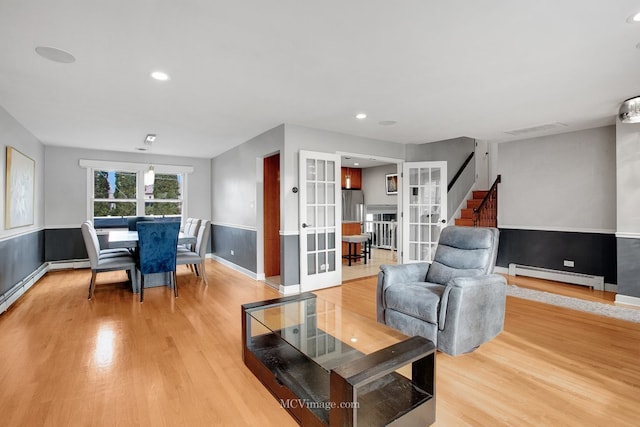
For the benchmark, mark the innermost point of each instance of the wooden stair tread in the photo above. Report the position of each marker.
(480, 194)
(466, 213)
(464, 222)
(473, 203)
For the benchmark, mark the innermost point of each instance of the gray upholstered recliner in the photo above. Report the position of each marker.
(456, 301)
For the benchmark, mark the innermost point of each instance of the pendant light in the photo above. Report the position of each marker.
(630, 110)
(150, 174)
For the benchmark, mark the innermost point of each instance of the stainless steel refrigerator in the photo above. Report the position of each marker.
(353, 205)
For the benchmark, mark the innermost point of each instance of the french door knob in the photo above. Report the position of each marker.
(305, 225)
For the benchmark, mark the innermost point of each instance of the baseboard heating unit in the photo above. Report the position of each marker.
(595, 282)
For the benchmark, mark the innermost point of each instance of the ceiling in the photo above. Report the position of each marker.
(439, 69)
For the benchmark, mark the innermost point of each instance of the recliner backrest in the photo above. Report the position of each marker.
(464, 252)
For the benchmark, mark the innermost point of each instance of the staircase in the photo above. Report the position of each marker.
(482, 209)
(466, 215)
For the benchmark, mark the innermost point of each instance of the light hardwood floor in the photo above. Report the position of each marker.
(65, 360)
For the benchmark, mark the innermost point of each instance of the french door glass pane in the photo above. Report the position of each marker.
(321, 170)
(331, 168)
(311, 263)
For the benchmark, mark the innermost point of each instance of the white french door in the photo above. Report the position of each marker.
(424, 206)
(320, 220)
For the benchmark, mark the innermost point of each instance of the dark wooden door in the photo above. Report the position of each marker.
(272, 215)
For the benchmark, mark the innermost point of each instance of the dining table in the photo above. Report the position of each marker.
(129, 239)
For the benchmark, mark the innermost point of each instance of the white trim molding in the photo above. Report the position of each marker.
(241, 227)
(562, 229)
(21, 233)
(110, 165)
(625, 235)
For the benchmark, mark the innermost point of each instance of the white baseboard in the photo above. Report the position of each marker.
(595, 282)
(627, 300)
(23, 286)
(609, 287)
(235, 267)
(289, 290)
(65, 265)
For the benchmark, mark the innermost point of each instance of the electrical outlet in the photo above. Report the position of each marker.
(568, 263)
(232, 252)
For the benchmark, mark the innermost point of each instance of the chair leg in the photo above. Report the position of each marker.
(92, 284)
(141, 287)
(202, 272)
(175, 284)
(133, 278)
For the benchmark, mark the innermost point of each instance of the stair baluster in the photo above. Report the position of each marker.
(486, 215)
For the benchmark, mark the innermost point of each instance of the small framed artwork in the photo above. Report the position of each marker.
(19, 191)
(391, 183)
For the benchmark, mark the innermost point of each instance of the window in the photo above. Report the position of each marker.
(116, 191)
(164, 197)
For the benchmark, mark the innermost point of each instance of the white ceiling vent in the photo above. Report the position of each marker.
(536, 129)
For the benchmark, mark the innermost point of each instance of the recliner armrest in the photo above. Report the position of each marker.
(466, 282)
(471, 312)
(404, 273)
(390, 275)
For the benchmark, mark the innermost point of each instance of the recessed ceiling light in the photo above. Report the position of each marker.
(387, 122)
(54, 54)
(635, 18)
(150, 138)
(356, 164)
(160, 75)
(361, 116)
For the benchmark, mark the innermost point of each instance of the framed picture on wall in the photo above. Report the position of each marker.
(19, 189)
(391, 183)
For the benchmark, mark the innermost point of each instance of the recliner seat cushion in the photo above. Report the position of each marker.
(418, 299)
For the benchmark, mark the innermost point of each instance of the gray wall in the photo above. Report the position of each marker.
(628, 208)
(237, 200)
(373, 185)
(557, 202)
(236, 177)
(22, 248)
(15, 135)
(562, 182)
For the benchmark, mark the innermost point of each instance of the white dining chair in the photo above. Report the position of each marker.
(110, 261)
(197, 256)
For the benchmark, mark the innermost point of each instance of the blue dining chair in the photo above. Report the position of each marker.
(157, 247)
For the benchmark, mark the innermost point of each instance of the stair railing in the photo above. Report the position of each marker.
(462, 168)
(486, 215)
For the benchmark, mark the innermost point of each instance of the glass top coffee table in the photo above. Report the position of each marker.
(330, 366)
